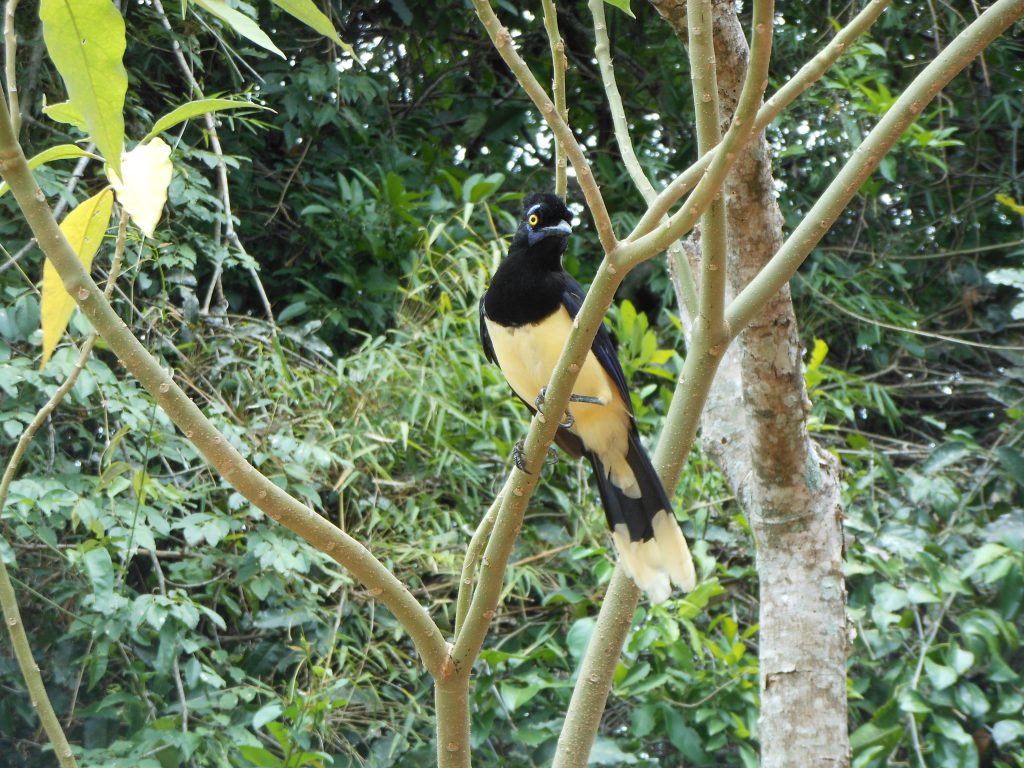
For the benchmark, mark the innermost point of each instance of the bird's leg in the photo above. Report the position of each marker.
(570, 420)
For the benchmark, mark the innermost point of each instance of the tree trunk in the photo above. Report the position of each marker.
(755, 425)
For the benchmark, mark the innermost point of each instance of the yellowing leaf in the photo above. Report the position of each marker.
(83, 228)
(67, 113)
(306, 12)
(1010, 203)
(147, 173)
(239, 22)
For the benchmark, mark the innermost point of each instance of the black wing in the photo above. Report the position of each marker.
(603, 346)
(485, 337)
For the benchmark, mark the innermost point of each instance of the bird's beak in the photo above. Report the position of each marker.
(561, 228)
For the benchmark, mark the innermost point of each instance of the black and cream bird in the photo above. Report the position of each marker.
(525, 316)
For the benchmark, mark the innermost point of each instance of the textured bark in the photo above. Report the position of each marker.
(755, 426)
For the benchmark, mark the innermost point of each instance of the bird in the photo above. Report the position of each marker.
(526, 314)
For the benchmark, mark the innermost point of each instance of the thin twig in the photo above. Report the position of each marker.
(808, 74)
(10, 63)
(602, 50)
(960, 52)
(559, 65)
(222, 168)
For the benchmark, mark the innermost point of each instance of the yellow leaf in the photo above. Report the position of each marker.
(147, 173)
(1010, 203)
(83, 228)
(818, 355)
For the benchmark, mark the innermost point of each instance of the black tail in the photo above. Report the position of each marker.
(650, 544)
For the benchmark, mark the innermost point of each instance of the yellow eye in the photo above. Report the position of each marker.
(534, 219)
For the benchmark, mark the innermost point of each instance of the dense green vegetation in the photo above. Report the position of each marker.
(176, 626)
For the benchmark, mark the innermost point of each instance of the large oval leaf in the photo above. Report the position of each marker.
(142, 193)
(83, 228)
(86, 40)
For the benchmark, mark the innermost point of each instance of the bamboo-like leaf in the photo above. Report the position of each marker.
(195, 108)
(142, 193)
(84, 228)
(86, 41)
(306, 12)
(239, 22)
(59, 152)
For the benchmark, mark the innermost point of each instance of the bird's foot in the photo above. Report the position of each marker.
(519, 459)
(570, 420)
(552, 455)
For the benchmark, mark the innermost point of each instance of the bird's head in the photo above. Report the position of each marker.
(546, 223)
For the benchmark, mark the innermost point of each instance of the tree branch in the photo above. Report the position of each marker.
(953, 59)
(635, 249)
(502, 40)
(809, 74)
(559, 65)
(703, 74)
(10, 63)
(703, 356)
(190, 419)
(602, 51)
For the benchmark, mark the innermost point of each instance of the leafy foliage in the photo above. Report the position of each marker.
(151, 589)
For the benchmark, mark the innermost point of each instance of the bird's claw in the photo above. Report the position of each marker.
(552, 455)
(519, 459)
(570, 420)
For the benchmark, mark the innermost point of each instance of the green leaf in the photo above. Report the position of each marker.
(195, 108)
(940, 675)
(622, 5)
(306, 12)
(1012, 461)
(514, 696)
(985, 554)
(260, 756)
(960, 660)
(579, 636)
(607, 752)
(86, 40)
(943, 456)
(59, 152)
(1006, 731)
(265, 714)
(919, 593)
(239, 22)
(100, 570)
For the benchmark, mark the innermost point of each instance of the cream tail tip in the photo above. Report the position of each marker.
(658, 563)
